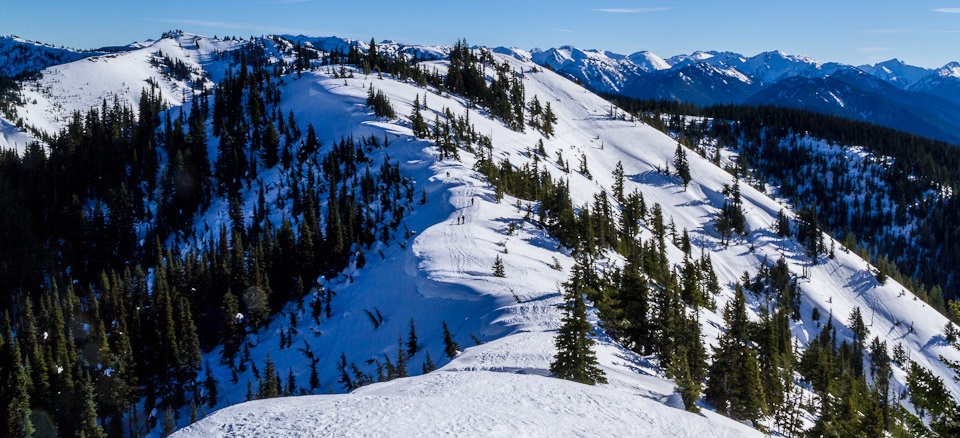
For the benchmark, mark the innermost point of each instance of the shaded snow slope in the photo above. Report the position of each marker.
(19, 56)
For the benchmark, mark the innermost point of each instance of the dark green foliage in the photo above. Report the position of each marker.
(498, 269)
(734, 386)
(412, 346)
(503, 96)
(450, 347)
(210, 385)
(682, 165)
(428, 365)
(18, 422)
(380, 104)
(783, 225)
(575, 359)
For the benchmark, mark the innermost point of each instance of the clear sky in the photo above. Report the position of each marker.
(920, 32)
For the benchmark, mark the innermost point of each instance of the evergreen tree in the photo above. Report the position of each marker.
(783, 224)
(18, 411)
(548, 119)
(618, 182)
(575, 359)
(682, 166)
(269, 385)
(498, 268)
(210, 385)
(89, 427)
(419, 124)
(412, 346)
(450, 347)
(733, 383)
(428, 365)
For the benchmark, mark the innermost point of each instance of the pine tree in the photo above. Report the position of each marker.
(169, 424)
(18, 411)
(210, 385)
(314, 380)
(498, 268)
(412, 346)
(783, 224)
(682, 165)
(575, 359)
(548, 119)
(419, 125)
(450, 347)
(89, 427)
(428, 365)
(268, 383)
(733, 383)
(618, 182)
(344, 378)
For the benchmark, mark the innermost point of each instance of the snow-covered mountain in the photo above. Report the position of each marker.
(68, 87)
(710, 77)
(436, 269)
(896, 72)
(943, 82)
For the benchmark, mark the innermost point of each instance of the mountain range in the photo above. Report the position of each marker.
(894, 94)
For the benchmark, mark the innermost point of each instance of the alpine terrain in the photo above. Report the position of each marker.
(299, 236)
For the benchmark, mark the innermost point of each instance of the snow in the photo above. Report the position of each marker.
(84, 84)
(442, 272)
(444, 275)
(479, 403)
(896, 72)
(13, 138)
(950, 70)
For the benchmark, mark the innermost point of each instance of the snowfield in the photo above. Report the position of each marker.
(440, 271)
(478, 403)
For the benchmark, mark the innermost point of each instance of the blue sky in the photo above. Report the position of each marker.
(920, 32)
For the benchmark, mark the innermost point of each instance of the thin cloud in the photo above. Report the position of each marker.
(561, 30)
(630, 10)
(948, 10)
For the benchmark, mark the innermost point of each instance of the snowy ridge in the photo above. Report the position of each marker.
(443, 274)
(81, 85)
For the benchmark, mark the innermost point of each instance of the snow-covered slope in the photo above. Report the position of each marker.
(84, 84)
(896, 72)
(943, 82)
(442, 273)
(477, 403)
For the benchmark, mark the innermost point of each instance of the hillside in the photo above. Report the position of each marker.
(455, 261)
(345, 240)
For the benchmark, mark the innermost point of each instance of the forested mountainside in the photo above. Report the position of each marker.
(890, 193)
(264, 218)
